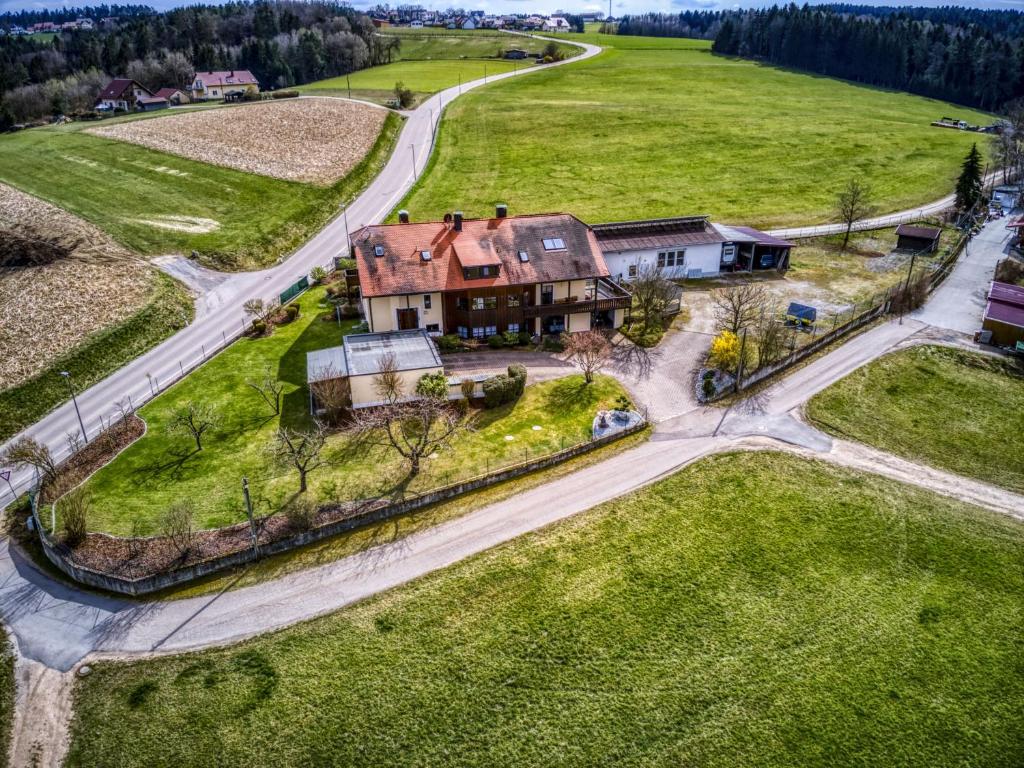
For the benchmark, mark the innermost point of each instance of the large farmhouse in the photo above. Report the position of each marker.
(687, 247)
(223, 85)
(125, 94)
(481, 277)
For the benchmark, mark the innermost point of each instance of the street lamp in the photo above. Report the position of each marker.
(71, 389)
(348, 237)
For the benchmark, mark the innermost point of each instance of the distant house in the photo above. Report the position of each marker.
(914, 238)
(1007, 196)
(468, 24)
(688, 247)
(555, 24)
(173, 95)
(122, 93)
(1004, 315)
(151, 104)
(417, 24)
(221, 85)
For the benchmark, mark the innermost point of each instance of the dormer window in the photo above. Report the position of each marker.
(554, 244)
(378, 250)
(475, 273)
(425, 255)
(524, 256)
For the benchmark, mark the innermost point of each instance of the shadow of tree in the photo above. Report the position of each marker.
(571, 393)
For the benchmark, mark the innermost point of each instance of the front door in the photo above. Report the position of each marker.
(408, 319)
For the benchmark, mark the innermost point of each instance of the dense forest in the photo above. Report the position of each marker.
(282, 43)
(968, 56)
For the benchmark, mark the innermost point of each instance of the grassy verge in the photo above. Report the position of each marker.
(161, 468)
(122, 188)
(7, 692)
(660, 127)
(949, 408)
(753, 609)
(169, 310)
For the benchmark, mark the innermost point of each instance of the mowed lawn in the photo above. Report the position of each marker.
(160, 468)
(948, 408)
(753, 609)
(158, 203)
(661, 127)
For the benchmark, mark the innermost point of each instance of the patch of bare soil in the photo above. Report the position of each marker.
(309, 139)
(47, 310)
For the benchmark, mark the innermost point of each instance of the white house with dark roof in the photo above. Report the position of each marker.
(122, 93)
(688, 247)
(223, 84)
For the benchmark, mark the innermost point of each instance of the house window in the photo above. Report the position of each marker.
(524, 256)
(478, 332)
(490, 330)
(433, 328)
(485, 302)
(554, 244)
(632, 270)
(463, 332)
(426, 301)
(462, 303)
(378, 250)
(513, 299)
(671, 259)
(513, 327)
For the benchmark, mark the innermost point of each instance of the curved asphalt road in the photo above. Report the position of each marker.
(220, 314)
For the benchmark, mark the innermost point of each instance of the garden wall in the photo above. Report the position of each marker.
(373, 512)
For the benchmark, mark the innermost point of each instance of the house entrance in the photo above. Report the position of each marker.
(408, 319)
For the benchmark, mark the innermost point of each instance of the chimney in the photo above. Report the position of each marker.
(458, 221)
(500, 211)
(403, 216)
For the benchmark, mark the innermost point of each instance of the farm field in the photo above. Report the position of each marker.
(155, 203)
(317, 141)
(753, 609)
(160, 469)
(948, 408)
(661, 127)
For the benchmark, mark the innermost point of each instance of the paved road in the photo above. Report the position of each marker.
(220, 315)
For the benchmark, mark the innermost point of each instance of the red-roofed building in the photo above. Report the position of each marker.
(122, 93)
(223, 85)
(173, 95)
(481, 277)
(1004, 314)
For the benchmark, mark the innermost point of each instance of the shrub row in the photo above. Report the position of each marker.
(503, 388)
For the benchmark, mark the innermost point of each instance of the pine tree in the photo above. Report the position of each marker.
(969, 185)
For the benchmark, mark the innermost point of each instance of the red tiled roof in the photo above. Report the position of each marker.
(222, 78)
(118, 86)
(401, 269)
(1005, 304)
(166, 93)
(925, 233)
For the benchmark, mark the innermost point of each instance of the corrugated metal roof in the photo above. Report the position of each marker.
(325, 364)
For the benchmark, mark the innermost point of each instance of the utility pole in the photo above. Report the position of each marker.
(348, 237)
(739, 363)
(71, 389)
(6, 475)
(252, 521)
(905, 299)
(349, 84)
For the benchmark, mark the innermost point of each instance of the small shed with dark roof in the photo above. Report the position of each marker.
(910, 237)
(1004, 314)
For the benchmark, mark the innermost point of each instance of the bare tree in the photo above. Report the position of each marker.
(588, 350)
(301, 450)
(738, 306)
(652, 293)
(177, 524)
(414, 429)
(257, 309)
(333, 393)
(269, 388)
(26, 452)
(74, 515)
(388, 382)
(124, 409)
(770, 334)
(853, 203)
(74, 441)
(194, 419)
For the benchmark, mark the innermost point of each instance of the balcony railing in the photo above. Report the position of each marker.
(607, 296)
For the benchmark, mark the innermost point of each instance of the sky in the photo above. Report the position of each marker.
(619, 7)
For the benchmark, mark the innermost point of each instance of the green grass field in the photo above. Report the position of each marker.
(753, 609)
(661, 127)
(121, 187)
(160, 468)
(169, 309)
(948, 408)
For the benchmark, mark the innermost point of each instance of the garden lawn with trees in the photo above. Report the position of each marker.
(752, 609)
(948, 408)
(130, 495)
(661, 127)
(155, 203)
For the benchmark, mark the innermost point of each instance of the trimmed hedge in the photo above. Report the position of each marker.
(503, 388)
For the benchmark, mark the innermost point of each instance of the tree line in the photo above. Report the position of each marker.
(967, 56)
(283, 43)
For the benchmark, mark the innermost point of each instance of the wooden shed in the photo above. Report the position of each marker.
(1004, 314)
(910, 237)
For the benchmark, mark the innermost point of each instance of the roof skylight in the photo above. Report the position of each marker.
(554, 244)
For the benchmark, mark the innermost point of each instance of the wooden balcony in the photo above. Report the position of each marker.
(608, 297)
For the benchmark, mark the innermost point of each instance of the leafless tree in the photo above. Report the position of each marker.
(74, 441)
(177, 524)
(414, 429)
(588, 350)
(74, 515)
(333, 392)
(769, 334)
(26, 452)
(388, 382)
(258, 309)
(301, 450)
(853, 203)
(124, 409)
(135, 541)
(652, 293)
(738, 306)
(194, 419)
(269, 388)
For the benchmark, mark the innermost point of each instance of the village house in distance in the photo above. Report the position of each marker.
(540, 274)
(230, 85)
